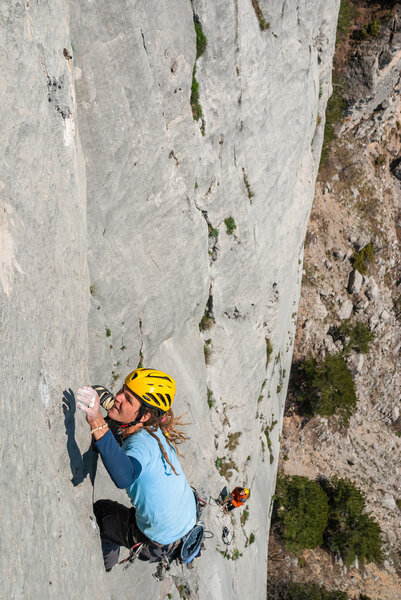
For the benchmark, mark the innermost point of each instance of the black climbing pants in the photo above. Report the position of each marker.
(118, 527)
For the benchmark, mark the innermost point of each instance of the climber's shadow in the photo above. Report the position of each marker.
(81, 464)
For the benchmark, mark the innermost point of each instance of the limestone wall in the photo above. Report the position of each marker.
(109, 191)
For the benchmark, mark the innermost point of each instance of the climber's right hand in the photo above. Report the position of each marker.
(89, 403)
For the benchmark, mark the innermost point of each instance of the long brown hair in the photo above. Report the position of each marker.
(170, 427)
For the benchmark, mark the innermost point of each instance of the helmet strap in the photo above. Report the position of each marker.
(139, 416)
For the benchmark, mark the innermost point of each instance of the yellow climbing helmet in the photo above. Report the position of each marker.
(152, 388)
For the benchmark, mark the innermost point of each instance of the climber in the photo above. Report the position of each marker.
(146, 465)
(238, 497)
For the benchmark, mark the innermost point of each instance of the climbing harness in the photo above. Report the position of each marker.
(184, 550)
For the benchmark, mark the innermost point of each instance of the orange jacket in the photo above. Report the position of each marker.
(238, 496)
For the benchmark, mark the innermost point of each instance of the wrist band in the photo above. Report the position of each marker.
(97, 428)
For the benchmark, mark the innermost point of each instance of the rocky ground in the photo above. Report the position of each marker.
(357, 202)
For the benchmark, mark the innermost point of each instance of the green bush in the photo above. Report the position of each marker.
(285, 590)
(350, 530)
(354, 337)
(361, 258)
(326, 388)
(371, 30)
(301, 511)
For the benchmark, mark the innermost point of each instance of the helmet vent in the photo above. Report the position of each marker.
(152, 397)
(162, 398)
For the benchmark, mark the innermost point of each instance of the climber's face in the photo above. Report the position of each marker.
(126, 407)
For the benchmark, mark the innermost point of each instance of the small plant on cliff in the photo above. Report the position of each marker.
(269, 350)
(230, 225)
(300, 512)
(263, 24)
(247, 185)
(206, 323)
(195, 105)
(233, 440)
(201, 41)
(207, 351)
(269, 444)
(361, 258)
(225, 467)
(326, 388)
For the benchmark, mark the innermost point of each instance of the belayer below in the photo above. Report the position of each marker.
(164, 507)
(237, 498)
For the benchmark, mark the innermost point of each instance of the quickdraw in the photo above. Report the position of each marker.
(133, 554)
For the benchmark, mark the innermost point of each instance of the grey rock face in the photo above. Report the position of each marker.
(395, 167)
(105, 258)
(389, 502)
(354, 282)
(373, 71)
(345, 310)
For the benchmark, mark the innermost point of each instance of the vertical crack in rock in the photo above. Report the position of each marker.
(143, 42)
(140, 362)
(212, 231)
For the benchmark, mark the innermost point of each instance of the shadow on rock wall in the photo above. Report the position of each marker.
(81, 464)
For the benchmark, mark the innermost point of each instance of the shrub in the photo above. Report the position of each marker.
(372, 30)
(361, 258)
(301, 510)
(327, 388)
(230, 225)
(354, 337)
(285, 590)
(350, 530)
